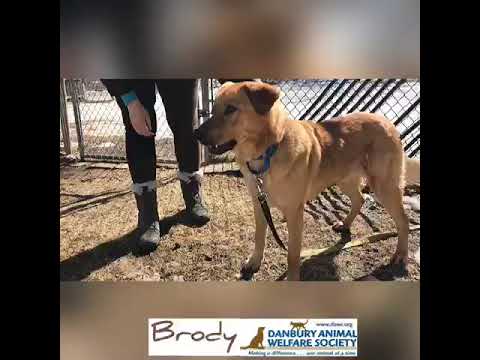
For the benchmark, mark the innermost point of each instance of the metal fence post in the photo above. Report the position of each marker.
(204, 85)
(67, 147)
(78, 117)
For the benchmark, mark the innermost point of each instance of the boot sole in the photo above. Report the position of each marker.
(199, 221)
(144, 248)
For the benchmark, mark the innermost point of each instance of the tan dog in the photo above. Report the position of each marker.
(249, 117)
(257, 340)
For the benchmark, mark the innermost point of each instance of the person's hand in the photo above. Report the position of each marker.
(140, 119)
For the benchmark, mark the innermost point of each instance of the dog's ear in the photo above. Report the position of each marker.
(225, 84)
(262, 96)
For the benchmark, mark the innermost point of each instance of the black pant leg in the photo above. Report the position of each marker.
(180, 98)
(140, 150)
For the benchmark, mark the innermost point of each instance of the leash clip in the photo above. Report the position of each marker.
(262, 196)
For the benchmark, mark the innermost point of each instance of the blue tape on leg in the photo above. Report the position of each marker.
(129, 97)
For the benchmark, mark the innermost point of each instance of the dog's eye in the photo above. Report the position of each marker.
(229, 110)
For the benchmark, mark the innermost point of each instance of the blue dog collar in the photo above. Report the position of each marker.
(267, 156)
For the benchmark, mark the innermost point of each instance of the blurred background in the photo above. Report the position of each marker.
(277, 39)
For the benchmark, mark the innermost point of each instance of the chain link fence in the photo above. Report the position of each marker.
(102, 134)
(98, 131)
(317, 100)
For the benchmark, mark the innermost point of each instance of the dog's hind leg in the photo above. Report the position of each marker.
(352, 188)
(391, 196)
(389, 172)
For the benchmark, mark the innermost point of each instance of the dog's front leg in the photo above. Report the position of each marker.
(255, 259)
(252, 265)
(295, 235)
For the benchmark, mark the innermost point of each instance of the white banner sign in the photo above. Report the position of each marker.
(252, 337)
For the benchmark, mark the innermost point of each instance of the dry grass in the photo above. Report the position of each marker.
(98, 216)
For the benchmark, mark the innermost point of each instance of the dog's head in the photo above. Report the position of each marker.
(242, 119)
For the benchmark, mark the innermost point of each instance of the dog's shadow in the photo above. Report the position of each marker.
(388, 272)
(319, 268)
(322, 267)
(80, 266)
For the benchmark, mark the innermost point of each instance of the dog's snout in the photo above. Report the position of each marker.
(201, 133)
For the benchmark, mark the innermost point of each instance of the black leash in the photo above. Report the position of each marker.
(262, 198)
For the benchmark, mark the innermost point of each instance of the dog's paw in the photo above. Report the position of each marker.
(340, 227)
(400, 258)
(245, 275)
(246, 272)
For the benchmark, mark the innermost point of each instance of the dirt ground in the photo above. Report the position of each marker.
(98, 218)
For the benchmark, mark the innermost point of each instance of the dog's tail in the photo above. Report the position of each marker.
(412, 171)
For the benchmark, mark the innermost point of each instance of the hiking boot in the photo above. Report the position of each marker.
(148, 229)
(196, 211)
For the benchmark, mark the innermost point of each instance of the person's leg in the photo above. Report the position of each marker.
(140, 150)
(180, 98)
(141, 158)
